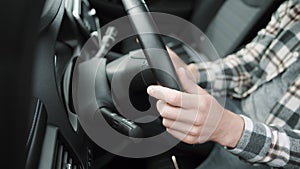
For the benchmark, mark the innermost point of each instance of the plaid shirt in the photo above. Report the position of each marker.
(277, 141)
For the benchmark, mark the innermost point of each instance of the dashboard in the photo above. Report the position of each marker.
(55, 139)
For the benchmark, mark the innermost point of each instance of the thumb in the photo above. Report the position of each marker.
(188, 84)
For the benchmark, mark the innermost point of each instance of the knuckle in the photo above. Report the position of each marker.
(175, 99)
(195, 131)
(162, 108)
(190, 139)
(168, 112)
(198, 120)
(205, 104)
(165, 112)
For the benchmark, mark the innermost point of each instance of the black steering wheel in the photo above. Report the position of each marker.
(159, 69)
(151, 43)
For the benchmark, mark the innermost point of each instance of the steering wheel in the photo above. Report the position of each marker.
(151, 43)
(135, 72)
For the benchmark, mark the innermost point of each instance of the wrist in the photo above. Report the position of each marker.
(230, 129)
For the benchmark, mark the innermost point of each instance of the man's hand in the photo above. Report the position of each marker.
(195, 116)
(190, 69)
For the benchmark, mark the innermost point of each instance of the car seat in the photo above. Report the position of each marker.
(227, 23)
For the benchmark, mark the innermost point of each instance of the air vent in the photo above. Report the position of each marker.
(65, 159)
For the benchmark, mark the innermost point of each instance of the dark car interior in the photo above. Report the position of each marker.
(44, 39)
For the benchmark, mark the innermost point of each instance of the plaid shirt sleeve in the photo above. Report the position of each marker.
(234, 73)
(277, 141)
(239, 73)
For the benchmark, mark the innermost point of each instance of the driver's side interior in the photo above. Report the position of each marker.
(55, 137)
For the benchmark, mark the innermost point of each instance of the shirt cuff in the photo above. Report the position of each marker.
(255, 142)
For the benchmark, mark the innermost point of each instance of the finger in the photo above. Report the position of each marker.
(182, 136)
(173, 97)
(186, 128)
(174, 55)
(188, 84)
(170, 51)
(175, 58)
(179, 114)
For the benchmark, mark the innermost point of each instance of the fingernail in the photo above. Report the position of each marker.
(150, 90)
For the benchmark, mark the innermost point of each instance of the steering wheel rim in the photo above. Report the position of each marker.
(152, 44)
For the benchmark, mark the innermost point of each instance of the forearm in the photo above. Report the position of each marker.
(225, 75)
(237, 72)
